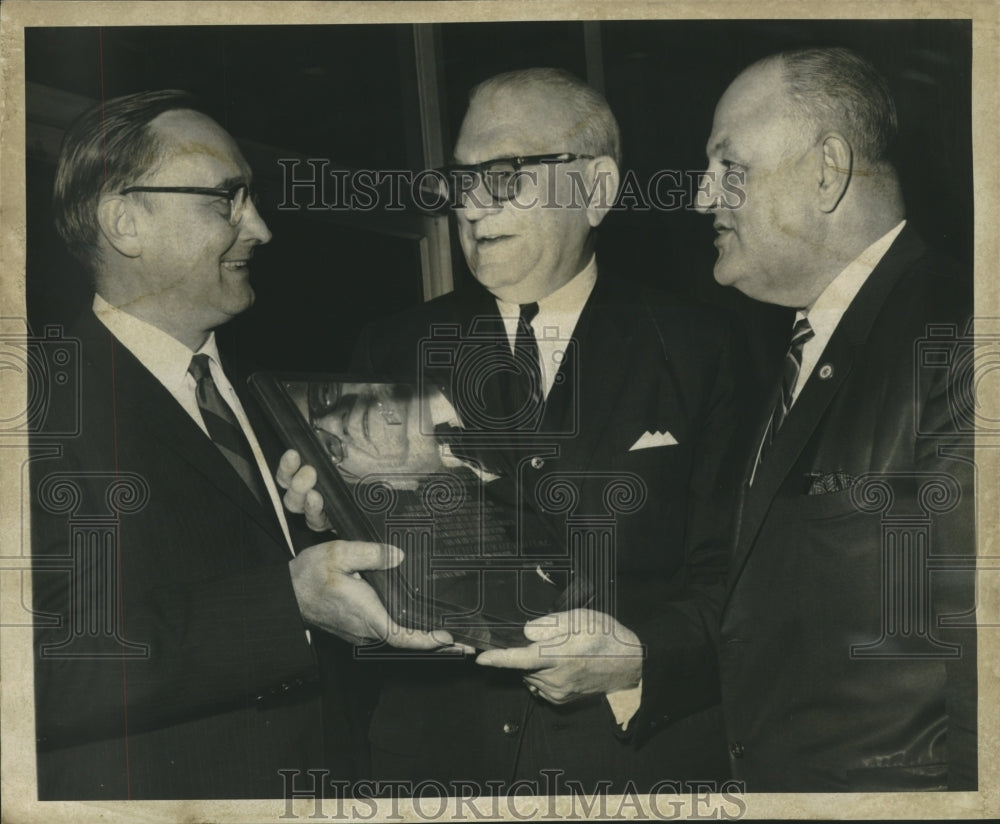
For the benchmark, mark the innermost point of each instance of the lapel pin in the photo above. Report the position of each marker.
(825, 372)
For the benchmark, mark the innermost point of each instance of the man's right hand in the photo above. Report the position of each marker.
(301, 496)
(334, 597)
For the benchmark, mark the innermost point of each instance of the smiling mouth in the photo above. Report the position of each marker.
(236, 265)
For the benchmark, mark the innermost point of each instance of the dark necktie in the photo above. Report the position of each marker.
(528, 395)
(801, 334)
(224, 429)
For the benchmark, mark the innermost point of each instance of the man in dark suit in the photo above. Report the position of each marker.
(847, 643)
(614, 441)
(180, 640)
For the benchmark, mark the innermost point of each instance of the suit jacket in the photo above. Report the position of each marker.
(639, 362)
(847, 645)
(171, 659)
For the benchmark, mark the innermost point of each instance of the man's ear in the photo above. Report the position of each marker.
(118, 225)
(836, 171)
(603, 178)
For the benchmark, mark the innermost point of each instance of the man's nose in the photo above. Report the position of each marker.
(476, 201)
(331, 424)
(252, 225)
(708, 194)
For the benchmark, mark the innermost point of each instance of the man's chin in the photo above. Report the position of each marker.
(723, 272)
(243, 300)
(498, 282)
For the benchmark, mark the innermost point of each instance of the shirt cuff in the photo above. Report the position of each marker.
(624, 704)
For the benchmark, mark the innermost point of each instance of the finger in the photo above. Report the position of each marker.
(287, 467)
(545, 691)
(415, 639)
(457, 649)
(525, 658)
(316, 518)
(547, 628)
(299, 487)
(293, 499)
(303, 480)
(444, 638)
(354, 556)
(533, 680)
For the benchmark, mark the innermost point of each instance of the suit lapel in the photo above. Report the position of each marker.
(792, 438)
(840, 355)
(593, 376)
(585, 385)
(163, 419)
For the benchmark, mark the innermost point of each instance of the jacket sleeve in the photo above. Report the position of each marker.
(680, 671)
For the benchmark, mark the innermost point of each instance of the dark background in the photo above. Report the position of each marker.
(348, 93)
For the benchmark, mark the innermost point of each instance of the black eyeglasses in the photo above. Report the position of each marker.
(501, 176)
(238, 196)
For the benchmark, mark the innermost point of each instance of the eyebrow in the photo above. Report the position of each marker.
(723, 145)
(229, 182)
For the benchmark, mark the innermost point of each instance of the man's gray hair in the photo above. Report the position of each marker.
(837, 88)
(598, 133)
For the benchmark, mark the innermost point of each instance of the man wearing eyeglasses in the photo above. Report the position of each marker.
(181, 646)
(587, 383)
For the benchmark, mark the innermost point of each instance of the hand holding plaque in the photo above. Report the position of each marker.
(369, 462)
(333, 597)
(572, 655)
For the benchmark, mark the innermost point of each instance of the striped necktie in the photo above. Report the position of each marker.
(801, 334)
(223, 428)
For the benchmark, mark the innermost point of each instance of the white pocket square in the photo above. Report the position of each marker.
(651, 439)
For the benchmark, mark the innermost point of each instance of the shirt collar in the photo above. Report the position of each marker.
(162, 354)
(568, 299)
(829, 307)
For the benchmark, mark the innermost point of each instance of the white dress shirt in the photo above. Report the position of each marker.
(827, 310)
(168, 360)
(556, 319)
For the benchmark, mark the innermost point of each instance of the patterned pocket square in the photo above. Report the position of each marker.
(650, 439)
(823, 483)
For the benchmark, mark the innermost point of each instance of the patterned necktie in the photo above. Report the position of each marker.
(527, 394)
(224, 429)
(801, 334)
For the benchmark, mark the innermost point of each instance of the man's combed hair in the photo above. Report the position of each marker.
(109, 147)
(835, 87)
(598, 133)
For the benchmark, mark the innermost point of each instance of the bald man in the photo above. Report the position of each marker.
(848, 649)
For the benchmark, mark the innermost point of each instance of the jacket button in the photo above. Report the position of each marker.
(537, 463)
(736, 749)
(511, 728)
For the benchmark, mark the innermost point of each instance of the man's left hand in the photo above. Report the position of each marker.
(573, 654)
